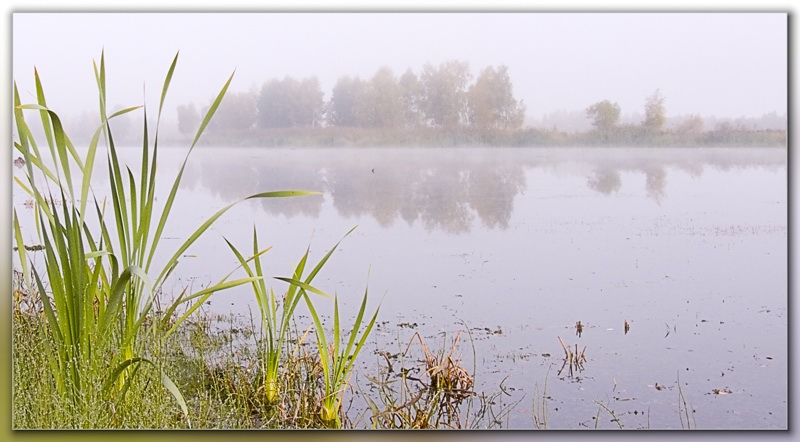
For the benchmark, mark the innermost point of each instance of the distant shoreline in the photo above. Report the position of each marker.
(436, 137)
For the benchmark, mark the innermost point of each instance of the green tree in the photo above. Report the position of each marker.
(383, 104)
(290, 103)
(188, 119)
(344, 106)
(491, 101)
(604, 114)
(411, 99)
(654, 112)
(445, 93)
(273, 104)
(693, 125)
(237, 112)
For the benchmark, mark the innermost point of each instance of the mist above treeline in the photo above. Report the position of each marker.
(439, 105)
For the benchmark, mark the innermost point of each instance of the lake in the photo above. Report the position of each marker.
(688, 246)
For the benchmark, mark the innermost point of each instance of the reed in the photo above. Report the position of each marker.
(435, 391)
(98, 266)
(276, 316)
(573, 360)
(337, 360)
(539, 410)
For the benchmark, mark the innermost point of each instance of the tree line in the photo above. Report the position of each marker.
(604, 116)
(442, 96)
(439, 105)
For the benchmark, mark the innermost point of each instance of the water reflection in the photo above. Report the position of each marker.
(446, 194)
(605, 180)
(233, 174)
(447, 197)
(655, 182)
(449, 190)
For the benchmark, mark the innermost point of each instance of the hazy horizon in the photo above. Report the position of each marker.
(703, 63)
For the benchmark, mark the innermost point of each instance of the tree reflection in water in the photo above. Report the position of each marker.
(443, 189)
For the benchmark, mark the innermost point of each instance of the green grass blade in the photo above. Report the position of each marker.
(304, 286)
(258, 284)
(134, 210)
(282, 194)
(22, 255)
(112, 377)
(148, 191)
(119, 201)
(327, 255)
(176, 393)
(124, 111)
(100, 77)
(261, 290)
(86, 180)
(203, 227)
(357, 323)
(167, 81)
(364, 335)
(201, 297)
(291, 295)
(61, 147)
(48, 132)
(115, 297)
(336, 328)
(322, 343)
(19, 118)
(31, 160)
(211, 111)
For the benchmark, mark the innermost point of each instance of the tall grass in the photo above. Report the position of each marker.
(276, 320)
(102, 281)
(337, 360)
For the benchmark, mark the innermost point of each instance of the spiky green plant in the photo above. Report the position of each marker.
(100, 285)
(337, 361)
(275, 318)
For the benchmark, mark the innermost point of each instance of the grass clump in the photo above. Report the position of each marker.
(99, 283)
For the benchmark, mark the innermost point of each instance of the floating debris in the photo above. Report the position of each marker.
(33, 248)
(627, 327)
(30, 204)
(578, 328)
(721, 391)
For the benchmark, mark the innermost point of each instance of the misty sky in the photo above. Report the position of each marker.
(722, 64)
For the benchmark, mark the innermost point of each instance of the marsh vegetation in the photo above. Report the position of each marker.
(138, 305)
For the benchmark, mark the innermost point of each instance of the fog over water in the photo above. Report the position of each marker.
(689, 245)
(702, 62)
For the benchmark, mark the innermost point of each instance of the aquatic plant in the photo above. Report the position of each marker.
(337, 361)
(99, 269)
(572, 359)
(539, 410)
(275, 318)
(436, 391)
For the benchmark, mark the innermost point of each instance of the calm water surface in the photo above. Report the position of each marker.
(689, 246)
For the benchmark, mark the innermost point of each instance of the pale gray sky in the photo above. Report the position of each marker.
(723, 64)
